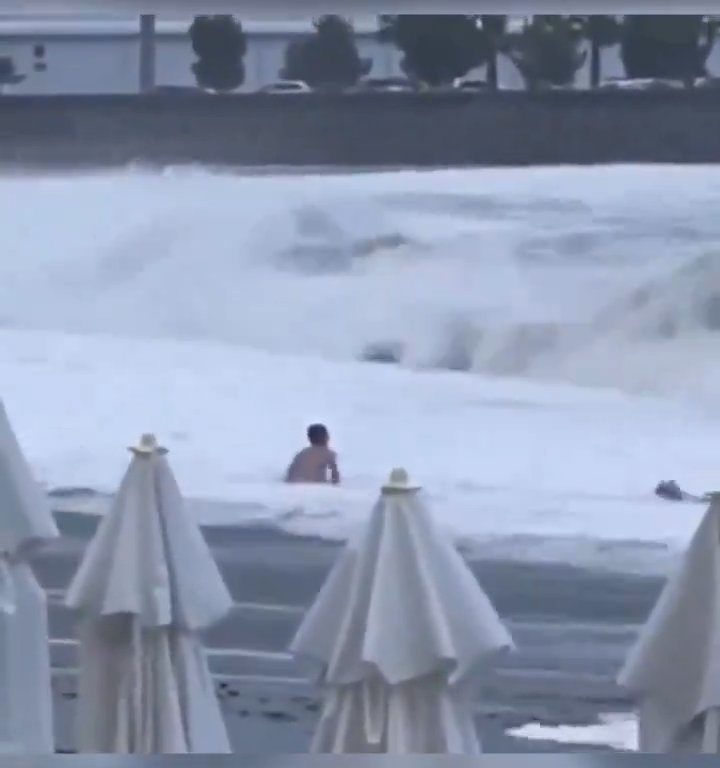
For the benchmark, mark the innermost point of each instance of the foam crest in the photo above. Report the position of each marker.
(595, 275)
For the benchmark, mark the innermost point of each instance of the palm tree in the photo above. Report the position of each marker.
(8, 75)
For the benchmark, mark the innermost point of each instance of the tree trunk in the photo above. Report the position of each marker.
(595, 64)
(147, 52)
(492, 71)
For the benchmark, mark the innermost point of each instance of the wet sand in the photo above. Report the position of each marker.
(572, 627)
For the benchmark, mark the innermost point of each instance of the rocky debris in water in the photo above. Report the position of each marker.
(62, 493)
(221, 690)
(308, 704)
(284, 717)
(382, 352)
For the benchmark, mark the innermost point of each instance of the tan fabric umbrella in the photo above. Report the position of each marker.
(25, 523)
(674, 668)
(145, 588)
(401, 633)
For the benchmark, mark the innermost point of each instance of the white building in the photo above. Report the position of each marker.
(86, 54)
(65, 54)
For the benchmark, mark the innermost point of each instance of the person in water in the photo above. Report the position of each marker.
(671, 491)
(316, 463)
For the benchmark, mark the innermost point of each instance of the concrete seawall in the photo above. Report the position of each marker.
(375, 129)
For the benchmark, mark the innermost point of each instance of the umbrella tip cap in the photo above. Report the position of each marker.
(147, 445)
(399, 482)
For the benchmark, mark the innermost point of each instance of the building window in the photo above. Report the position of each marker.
(39, 65)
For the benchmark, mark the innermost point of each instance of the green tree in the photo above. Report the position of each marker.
(547, 51)
(673, 47)
(219, 44)
(329, 58)
(600, 32)
(8, 74)
(436, 49)
(494, 29)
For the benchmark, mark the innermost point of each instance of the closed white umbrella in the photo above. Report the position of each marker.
(146, 586)
(401, 632)
(25, 522)
(674, 668)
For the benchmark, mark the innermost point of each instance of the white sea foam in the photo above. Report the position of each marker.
(618, 731)
(604, 276)
(227, 311)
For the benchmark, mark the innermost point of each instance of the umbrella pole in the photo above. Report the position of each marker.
(711, 733)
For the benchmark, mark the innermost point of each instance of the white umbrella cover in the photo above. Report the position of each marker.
(674, 668)
(26, 725)
(401, 632)
(146, 586)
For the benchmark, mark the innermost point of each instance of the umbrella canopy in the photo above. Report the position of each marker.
(25, 523)
(401, 632)
(146, 586)
(674, 668)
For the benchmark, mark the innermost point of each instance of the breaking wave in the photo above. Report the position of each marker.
(602, 276)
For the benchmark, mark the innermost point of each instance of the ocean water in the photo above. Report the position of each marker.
(618, 731)
(538, 346)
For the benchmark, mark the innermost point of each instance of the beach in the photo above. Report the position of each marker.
(572, 627)
(535, 346)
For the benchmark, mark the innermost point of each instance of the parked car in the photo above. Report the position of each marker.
(462, 84)
(387, 84)
(180, 90)
(286, 86)
(708, 83)
(641, 84)
(542, 86)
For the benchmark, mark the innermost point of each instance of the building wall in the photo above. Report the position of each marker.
(75, 65)
(99, 61)
(109, 64)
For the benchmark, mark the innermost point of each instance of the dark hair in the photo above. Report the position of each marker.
(317, 434)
